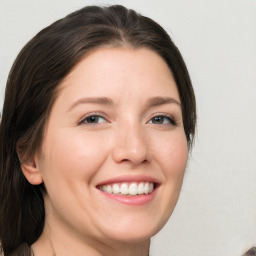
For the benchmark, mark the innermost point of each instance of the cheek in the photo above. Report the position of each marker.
(72, 155)
(172, 158)
(172, 154)
(70, 162)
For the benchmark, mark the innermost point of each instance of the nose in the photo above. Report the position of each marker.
(131, 145)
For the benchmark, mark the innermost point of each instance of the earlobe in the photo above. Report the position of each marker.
(31, 171)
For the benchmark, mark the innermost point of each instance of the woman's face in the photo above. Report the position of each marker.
(115, 133)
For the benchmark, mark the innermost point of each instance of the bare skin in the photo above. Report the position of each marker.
(117, 122)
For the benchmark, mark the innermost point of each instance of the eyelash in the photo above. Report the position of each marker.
(171, 120)
(96, 116)
(85, 119)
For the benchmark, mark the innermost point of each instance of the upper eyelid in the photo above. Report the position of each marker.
(164, 115)
(99, 114)
(173, 119)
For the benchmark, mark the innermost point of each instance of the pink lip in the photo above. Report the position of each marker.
(131, 200)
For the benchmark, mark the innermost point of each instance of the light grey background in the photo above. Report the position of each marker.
(216, 213)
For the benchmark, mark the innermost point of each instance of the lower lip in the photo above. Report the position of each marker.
(131, 200)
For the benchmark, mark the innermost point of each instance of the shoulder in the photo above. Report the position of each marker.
(22, 250)
(251, 252)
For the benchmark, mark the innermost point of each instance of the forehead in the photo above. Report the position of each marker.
(111, 68)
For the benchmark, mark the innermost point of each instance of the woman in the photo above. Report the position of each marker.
(98, 119)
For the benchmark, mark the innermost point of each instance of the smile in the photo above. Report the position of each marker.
(128, 189)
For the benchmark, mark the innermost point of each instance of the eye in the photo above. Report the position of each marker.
(93, 119)
(162, 119)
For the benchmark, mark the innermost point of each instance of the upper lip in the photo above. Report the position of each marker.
(129, 178)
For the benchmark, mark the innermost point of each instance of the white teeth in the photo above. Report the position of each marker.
(141, 188)
(133, 189)
(124, 189)
(116, 189)
(109, 189)
(151, 188)
(129, 189)
(146, 188)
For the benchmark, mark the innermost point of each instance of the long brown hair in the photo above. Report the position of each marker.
(32, 87)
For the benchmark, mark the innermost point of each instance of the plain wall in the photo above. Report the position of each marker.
(216, 213)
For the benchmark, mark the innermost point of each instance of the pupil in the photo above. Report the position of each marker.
(93, 119)
(158, 119)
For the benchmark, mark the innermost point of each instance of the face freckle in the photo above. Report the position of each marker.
(115, 151)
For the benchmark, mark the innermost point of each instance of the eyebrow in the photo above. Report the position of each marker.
(101, 101)
(152, 102)
(156, 101)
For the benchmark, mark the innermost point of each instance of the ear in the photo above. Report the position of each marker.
(30, 169)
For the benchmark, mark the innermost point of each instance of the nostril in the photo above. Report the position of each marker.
(130, 148)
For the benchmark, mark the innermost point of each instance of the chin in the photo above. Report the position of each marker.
(137, 230)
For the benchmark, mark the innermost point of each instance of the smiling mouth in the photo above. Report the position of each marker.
(129, 189)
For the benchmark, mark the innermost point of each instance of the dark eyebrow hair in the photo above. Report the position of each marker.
(97, 100)
(156, 101)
